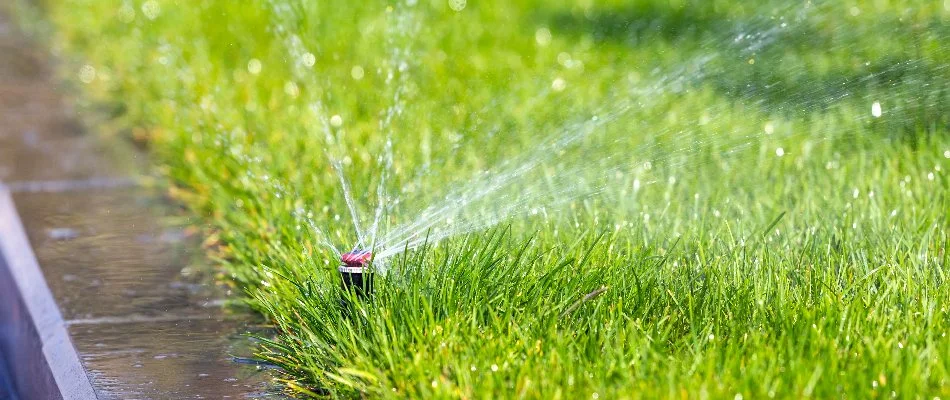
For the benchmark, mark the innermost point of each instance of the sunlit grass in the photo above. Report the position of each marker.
(762, 231)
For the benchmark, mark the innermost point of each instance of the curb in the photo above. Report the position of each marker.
(40, 357)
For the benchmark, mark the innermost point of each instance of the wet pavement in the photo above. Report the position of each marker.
(140, 306)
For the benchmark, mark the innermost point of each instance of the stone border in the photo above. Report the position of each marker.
(40, 357)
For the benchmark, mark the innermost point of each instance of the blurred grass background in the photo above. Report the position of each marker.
(774, 218)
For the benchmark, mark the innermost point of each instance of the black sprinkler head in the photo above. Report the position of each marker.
(356, 273)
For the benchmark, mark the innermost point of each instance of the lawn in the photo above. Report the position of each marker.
(615, 199)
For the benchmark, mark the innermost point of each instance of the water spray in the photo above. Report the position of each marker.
(356, 272)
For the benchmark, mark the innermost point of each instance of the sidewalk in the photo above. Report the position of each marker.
(130, 285)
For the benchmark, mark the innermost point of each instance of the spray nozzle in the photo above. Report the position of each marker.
(356, 272)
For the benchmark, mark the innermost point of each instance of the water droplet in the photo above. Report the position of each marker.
(769, 128)
(930, 176)
(946, 154)
(457, 5)
(126, 13)
(558, 84)
(564, 59)
(542, 36)
(595, 396)
(780, 152)
(151, 9)
(876, 109)
(357, 72)
(308, 59)
(87, 73)
(336, 121)
(254, 66)
(494, 367)
(291, 89)
(855, 11)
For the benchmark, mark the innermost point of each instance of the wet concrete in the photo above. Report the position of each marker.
(141, 309)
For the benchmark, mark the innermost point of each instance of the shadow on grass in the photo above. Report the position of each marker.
(775, 63)
(911, 94)
(639, 22)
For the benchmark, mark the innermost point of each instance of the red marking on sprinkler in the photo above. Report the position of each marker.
(357, 258)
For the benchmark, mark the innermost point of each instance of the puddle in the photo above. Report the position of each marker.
(104, 268)
(185, 362)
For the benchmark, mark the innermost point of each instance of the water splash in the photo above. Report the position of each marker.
(525, 184)
(520, 186)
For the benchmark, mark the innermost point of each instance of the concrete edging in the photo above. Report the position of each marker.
(41, 359)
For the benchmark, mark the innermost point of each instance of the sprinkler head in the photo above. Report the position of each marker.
(356, 272)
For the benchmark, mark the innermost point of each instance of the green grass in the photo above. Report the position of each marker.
(718, 265)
